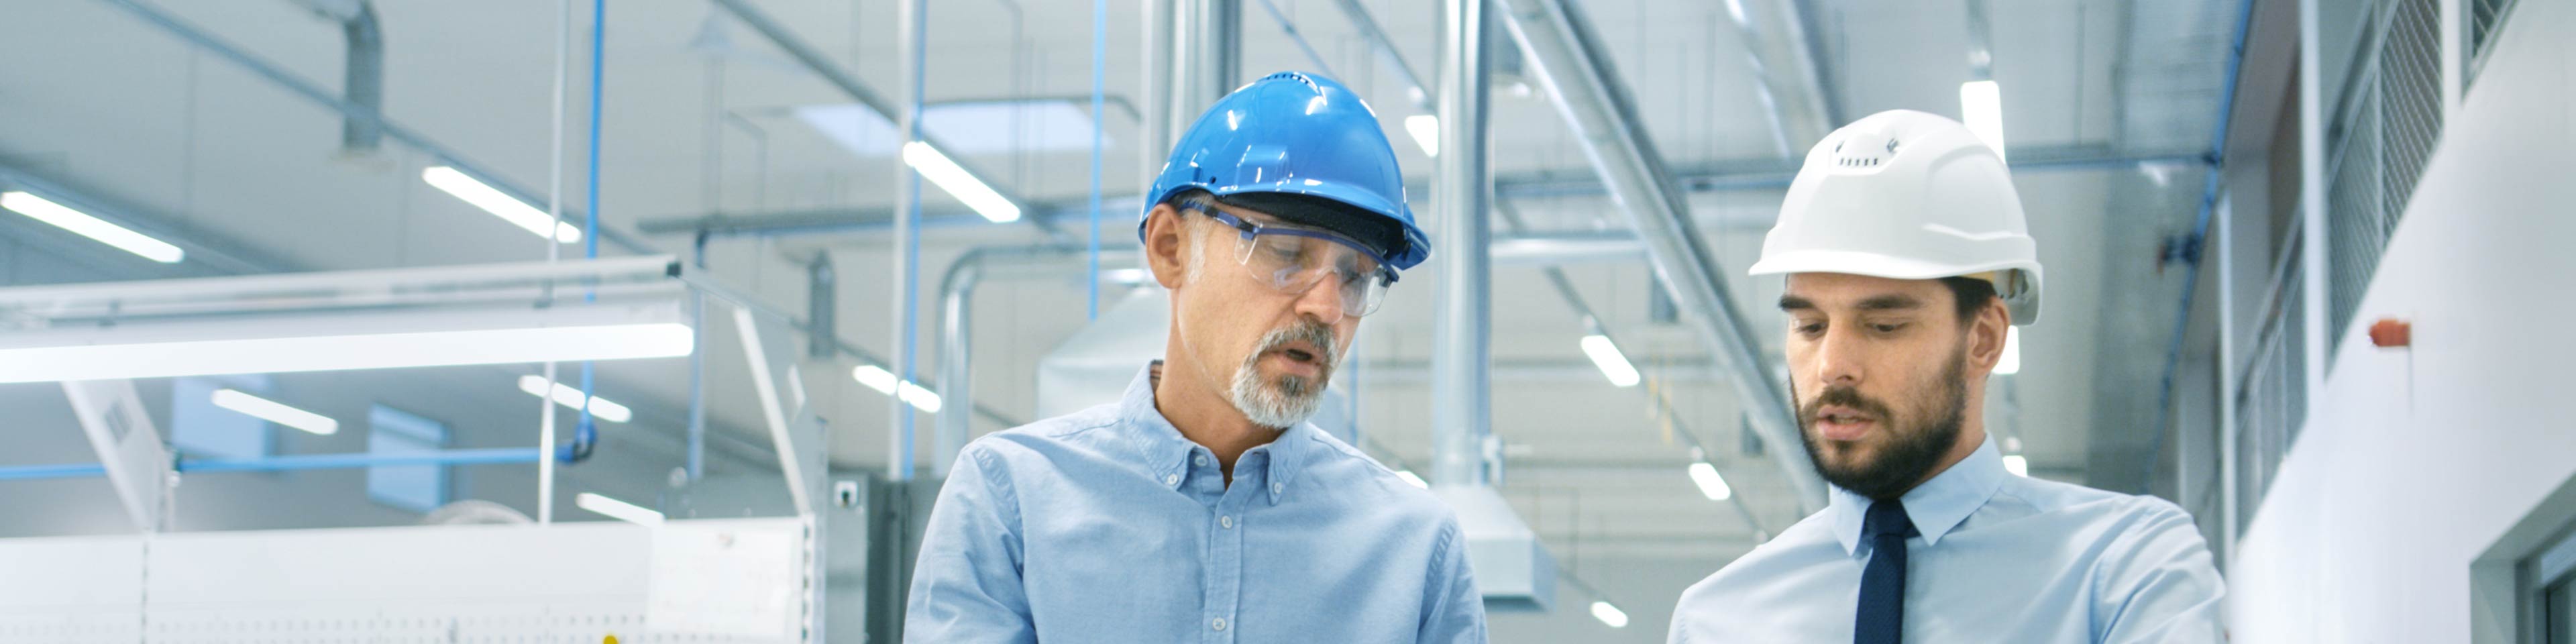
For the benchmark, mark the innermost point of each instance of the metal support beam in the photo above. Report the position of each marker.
(1461, 354)
(1577, 76)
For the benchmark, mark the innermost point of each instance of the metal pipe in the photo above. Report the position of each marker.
(1461, 353)
(1579, 79)
(1205, 59)
(314, 94)
(913, 52)
(1153, 128)
(956, 338)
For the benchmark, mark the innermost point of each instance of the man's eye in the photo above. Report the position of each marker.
(1811, 328)
(1887, 327)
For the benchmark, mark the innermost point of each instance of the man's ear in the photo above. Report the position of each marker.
(1165, 245)
(1987, 333)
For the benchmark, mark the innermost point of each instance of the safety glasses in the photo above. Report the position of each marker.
(1292, 259)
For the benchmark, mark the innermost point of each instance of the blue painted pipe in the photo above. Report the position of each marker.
(491, 456)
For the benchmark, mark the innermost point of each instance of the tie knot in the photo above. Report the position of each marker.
(1887, 518)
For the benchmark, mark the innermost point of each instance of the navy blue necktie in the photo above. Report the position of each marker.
(1882, 585)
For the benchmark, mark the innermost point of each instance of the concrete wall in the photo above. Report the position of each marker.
(2417, 461)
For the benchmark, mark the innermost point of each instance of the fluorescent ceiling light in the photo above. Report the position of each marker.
(569, 396)
(965, 187)
(1613, 364)
(1710, 484)
(2010, 363)
(2017, 464)
(616, 509)
(1425, 129)
(1415, 479)
(518, 213)
(80, 223)
(878, 378)
(275, 412)
(1609, 614)
(1981, 103)
(162, 359)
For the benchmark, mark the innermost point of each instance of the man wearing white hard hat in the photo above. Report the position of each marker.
(1907, 261)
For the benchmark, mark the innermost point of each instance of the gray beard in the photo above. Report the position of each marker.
(1291, 399)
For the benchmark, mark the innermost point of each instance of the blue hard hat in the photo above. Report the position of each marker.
(1294, 133)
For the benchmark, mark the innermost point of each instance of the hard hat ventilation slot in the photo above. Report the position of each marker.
(1871, 155)
(1310, 83)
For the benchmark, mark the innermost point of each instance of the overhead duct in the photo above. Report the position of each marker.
(1576, 73)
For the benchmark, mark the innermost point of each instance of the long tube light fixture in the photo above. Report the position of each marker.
(509, 209)
(81, 223)
(571, 397)
(959, 183)
(615, 509)
(1608, 614)
(1613, 364)
(878, 378)
(1981, 104)
(337, 352)
(1710, 484)
(275, 412)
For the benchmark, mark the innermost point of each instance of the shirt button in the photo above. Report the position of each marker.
(1219, 624)
(1201, 461)
(1171, 479)
(1226, 522)
(1276, 488)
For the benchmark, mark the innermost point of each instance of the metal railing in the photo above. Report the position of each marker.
(2272, 398)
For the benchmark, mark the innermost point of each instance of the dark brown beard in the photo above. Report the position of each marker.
(1910, 452)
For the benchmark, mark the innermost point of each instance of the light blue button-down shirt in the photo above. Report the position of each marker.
(2002, 558)
(1107, 525)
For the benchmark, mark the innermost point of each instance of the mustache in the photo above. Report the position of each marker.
(1307, 331)
(1842, 396)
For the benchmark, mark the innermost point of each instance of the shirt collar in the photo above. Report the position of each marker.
(1936, 506)
(1165, 454)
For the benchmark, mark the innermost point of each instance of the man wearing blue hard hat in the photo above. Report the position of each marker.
(1201, 507)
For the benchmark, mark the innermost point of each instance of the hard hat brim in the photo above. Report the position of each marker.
(2025, 309)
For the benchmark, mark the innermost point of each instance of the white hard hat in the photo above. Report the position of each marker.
(1907, 195)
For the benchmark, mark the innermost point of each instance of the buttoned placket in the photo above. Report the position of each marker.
(1225, 528)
